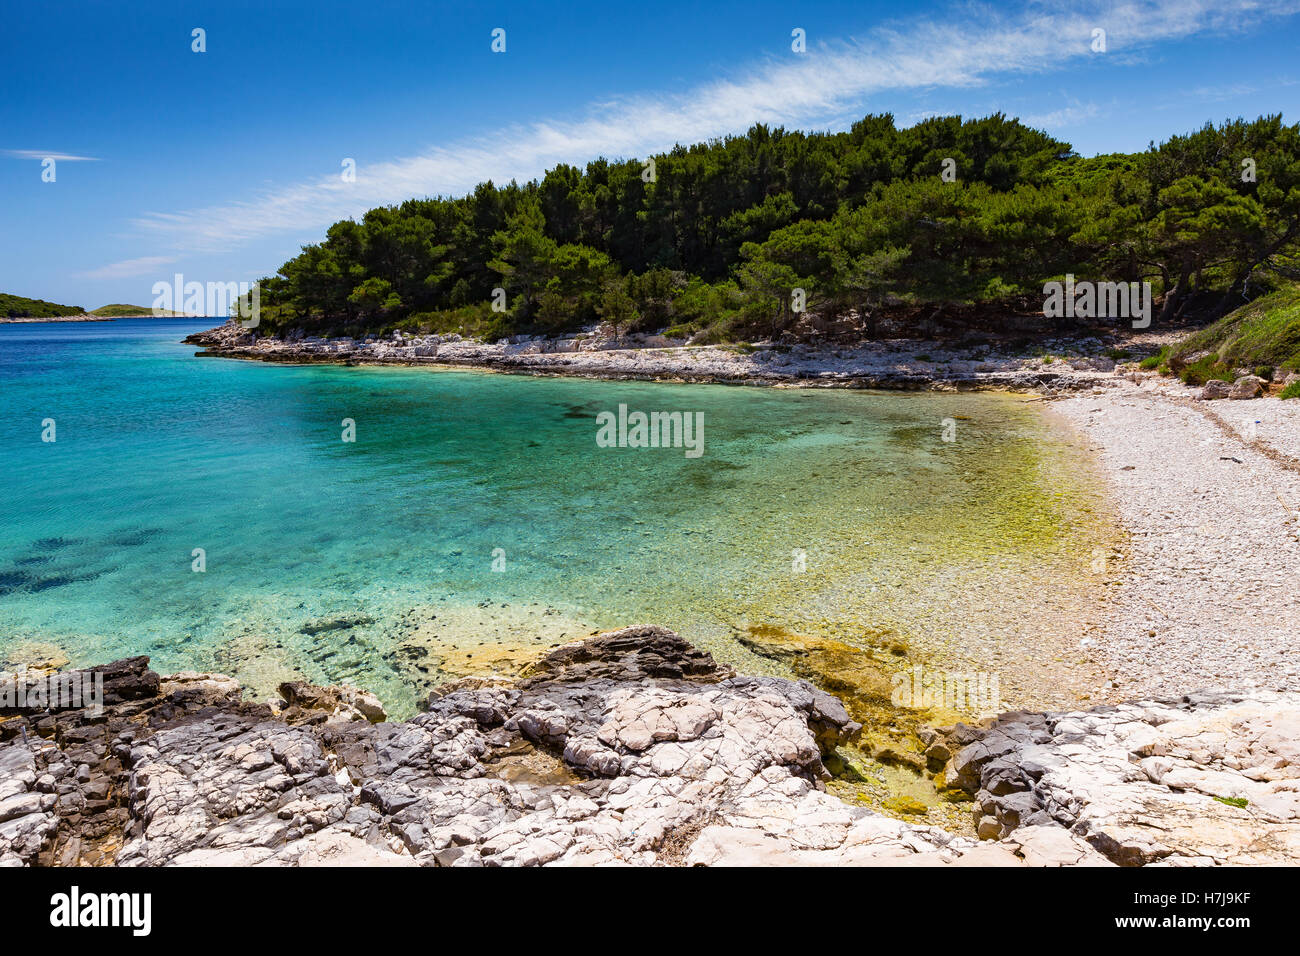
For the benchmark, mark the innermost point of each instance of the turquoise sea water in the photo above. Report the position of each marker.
(373, 561)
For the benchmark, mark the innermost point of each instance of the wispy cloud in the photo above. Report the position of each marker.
(129, 268)
(39, 154)
(965, 48)
(1066, 116)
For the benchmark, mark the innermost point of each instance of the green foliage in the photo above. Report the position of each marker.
(1205, 369)
(1263, 332)
(1157, 361)
(616, 307)
(861, 221)
(1291, 391)
(372, 294)
(17, 307)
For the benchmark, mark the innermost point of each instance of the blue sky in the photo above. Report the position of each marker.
(220, 165)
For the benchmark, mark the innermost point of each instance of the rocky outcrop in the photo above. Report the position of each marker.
(1210, 778)
(307, 703)
(632, 747)
(890, 364)
(613, 750)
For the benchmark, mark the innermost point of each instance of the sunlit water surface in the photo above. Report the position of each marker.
(474, 520)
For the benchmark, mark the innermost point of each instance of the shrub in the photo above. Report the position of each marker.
(1265, 372)
(1206, 369)
(1159, 360)
(1266, 330)
(1291, 391)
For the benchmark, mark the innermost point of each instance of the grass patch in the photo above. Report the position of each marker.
(1206, 369)
(1263, 332)
(1291, 391)
(1239, 802)
(1158, 361)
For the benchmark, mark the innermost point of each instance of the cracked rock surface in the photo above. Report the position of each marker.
(631, 747)
(1210, 778)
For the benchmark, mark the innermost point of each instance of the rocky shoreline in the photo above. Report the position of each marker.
(630, 748)
(892, 364)
(634, 748)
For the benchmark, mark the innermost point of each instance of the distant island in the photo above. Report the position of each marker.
(121, 311)
(17, 308)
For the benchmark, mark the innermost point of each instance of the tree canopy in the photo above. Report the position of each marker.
(715, 238)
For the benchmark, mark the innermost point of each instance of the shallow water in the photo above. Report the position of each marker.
(377, 562)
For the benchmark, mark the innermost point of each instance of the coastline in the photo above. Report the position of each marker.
(57, 318)
(1208, 493)
(585, 759)
(87, 317)
(908, 365)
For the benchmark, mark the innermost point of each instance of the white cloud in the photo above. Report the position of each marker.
(1071, 115)
(967, 47)
(60, 157)
(129, 268)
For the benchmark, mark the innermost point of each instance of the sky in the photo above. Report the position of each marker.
(220, 165)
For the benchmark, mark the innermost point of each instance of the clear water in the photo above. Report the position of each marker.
(373, 561)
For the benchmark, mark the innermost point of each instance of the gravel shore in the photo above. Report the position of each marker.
(1205, 595)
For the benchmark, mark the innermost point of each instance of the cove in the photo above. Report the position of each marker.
(473, 521)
